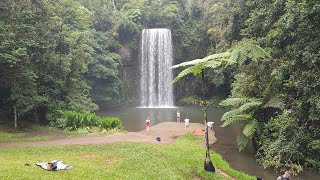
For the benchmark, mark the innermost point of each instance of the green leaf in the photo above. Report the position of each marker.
(215, 57)
(236, 118)
(242, 142)
(233, 101)
(230, 114)
(189, 70)
(250, 128)
(250, 105)
(275, 103)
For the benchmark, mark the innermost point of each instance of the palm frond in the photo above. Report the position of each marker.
(250, 105)
(233, 101)
(235, 119)
(230, 114)
(250, 128)
(242, 141)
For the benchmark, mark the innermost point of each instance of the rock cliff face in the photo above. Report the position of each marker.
(130, 75)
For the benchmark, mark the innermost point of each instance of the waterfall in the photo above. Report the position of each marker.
(156, 74)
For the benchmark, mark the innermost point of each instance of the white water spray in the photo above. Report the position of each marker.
(156, 74)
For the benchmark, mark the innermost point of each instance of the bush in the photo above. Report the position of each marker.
(75, 120)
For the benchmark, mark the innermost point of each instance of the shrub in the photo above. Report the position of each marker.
(75, 120)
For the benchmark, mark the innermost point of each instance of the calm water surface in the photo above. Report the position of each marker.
(134, 120)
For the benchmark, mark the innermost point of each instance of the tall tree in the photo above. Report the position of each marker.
(231, 57)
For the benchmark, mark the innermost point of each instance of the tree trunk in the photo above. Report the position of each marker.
(208, 166)
(15, 117)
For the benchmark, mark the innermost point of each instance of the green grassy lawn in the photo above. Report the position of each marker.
(181, 160)
(34, 132)
(20, 137)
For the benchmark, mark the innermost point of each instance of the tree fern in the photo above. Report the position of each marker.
(235, 119)
(245, 108)
(250, 128)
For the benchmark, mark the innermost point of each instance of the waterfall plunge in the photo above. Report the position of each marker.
(156, 74)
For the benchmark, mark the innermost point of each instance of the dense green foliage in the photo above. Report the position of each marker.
(287, 122)
(288, 136)
(180, 160)
(68, 54)
(53, 56)
(74, 120)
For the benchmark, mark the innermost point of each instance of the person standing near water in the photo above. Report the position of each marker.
(178, 116)
(210, 125)
(285, 176)
(186, 124)
(148, 123)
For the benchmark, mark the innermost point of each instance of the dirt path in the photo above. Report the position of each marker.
(167, 131)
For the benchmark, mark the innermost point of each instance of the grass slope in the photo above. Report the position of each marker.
(33, 132)
(181, 160)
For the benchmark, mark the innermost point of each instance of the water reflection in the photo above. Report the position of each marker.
(134, 120)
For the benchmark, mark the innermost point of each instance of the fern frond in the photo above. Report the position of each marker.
(215, 57)
(233, 101)
(256, 53)
(242, 141)
(250, 105)
(251, 50)
(219, 56)
(189, 63)
(234, 55)
(275, 103)
(250, 128)
(211, 64)
(235, 119)
(230, 114)
(189, 70)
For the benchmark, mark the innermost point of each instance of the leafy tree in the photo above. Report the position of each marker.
(231, 57)
(287, 29)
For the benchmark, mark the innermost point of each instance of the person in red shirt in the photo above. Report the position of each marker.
(148, 123)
